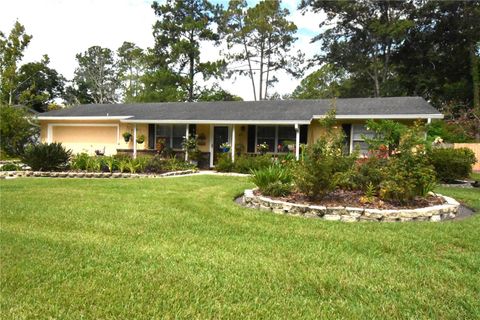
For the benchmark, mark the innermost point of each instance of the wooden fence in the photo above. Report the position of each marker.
(475, 147)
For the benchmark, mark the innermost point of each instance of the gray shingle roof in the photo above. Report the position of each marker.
(268, 110)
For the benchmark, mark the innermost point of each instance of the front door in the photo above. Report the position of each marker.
(220, 135)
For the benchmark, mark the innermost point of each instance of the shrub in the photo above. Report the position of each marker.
(245, 163)
(132, 165)
(122, 164)
(158, 164)
(10, 167)
(452, 164)
(449, 132)
(274, 180)
(224, 163)
(79, 161)
(323, 163)
(406, 178)
(47, 157)
(367, 172)
(142, 163)
(111, 163)
(94, 164)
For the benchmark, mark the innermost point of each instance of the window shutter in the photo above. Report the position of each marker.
(303, 133)
(251, 138)
(151, 136)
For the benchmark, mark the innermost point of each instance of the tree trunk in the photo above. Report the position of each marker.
(268, 67)
(250, 71)
(261, 71)
(191, 75)
(191, 57)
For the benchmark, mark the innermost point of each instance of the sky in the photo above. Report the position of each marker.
(63, 28)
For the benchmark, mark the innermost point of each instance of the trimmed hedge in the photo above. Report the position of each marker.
(452, 164)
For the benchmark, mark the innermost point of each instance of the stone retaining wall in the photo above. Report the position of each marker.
(74, 174)
(349, 214)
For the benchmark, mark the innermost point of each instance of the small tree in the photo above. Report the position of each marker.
(320, 171)
(16, 130)
(387, 134)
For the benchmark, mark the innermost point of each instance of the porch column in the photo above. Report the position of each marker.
(135, 141)
(297, 142)
(186, 137)
(233, 143)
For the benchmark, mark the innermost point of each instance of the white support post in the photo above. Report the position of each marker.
(297, 142)
(135, 141)
(429, 121)
(233, 143)
(211, 144)
(186, 137)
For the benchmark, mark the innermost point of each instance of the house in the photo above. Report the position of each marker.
(283, 125)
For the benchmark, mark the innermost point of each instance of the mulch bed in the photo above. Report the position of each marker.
(342, 198)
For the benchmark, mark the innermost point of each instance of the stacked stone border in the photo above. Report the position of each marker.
(446, 211)
(75, 174)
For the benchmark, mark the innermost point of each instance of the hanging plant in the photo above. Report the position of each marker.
(141, 139)
(127, 135)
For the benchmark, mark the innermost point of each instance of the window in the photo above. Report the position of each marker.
(178, 132)
(266, 134)
(172, 135)
(358, 132)
(286, 138)
(278, 138)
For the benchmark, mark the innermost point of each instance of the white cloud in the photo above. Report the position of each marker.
(63, 28)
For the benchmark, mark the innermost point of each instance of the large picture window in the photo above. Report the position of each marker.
(278, 138)
(171, 135)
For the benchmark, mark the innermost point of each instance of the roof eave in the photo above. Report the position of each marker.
(83, 117)
(193, 121)
(384, 116)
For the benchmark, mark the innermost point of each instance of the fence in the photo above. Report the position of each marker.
(475, 147)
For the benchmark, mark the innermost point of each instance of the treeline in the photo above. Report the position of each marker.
(368, 49)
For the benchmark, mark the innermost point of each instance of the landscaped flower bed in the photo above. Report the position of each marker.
(392, 181)
(448, 209)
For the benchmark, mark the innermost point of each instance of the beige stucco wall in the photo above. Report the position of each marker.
(88, 136)
(314, 129)
(204, 130)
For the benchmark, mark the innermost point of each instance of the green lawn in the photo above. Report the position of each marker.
(180, 248)
(475, 175)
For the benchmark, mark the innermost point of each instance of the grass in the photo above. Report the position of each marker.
(475, 176)
(180, 248)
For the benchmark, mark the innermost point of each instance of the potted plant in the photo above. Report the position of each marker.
(127, 135)
(225, 147)
(190, 146)
(262, 148)
(141, 139)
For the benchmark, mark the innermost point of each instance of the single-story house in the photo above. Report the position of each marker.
(244, 124)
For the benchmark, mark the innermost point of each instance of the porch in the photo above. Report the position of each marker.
(244, 138)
